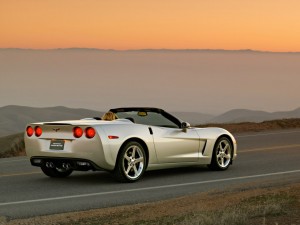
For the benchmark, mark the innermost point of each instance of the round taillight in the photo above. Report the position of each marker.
(90, 132)
(29, 131)
(77, 132)
(38, 131)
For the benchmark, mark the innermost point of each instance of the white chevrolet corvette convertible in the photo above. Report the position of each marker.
(140, 139)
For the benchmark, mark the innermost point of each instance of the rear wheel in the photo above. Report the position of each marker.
(56, 172)
(222, 154)
(131, 163)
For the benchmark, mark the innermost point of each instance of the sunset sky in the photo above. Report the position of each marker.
(195, 81)
(267, 25)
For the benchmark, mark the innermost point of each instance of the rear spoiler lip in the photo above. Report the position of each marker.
(83, 122)
(58, 124)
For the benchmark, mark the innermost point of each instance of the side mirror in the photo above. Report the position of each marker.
(185, 126)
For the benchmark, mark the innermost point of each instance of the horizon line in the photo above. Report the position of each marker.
(232, 109)
(152, 49)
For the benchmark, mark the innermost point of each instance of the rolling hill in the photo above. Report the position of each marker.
(13, 119)
(244, 115)
(193, 117)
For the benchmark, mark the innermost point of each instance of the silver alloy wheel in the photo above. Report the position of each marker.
(224, 153)
(133, 162)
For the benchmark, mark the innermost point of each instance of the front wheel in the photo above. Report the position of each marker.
(131, 163)
(222, 154)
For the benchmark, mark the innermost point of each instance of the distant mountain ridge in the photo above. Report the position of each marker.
(193, 117)
(245, 115)
(149, 50)
(13, 119)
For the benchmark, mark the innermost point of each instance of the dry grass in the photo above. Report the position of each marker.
(12, 145)
(256, 127)
(254, 205)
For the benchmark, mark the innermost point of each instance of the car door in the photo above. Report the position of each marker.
(172, 145)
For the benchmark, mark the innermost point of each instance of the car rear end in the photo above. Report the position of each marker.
(67, 145)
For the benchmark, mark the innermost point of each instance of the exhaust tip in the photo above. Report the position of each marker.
(49, 164)
(66, 166)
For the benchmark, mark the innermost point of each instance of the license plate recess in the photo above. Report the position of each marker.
(57, 145)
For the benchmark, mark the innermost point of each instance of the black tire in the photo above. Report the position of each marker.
(55, 172)
(131, 162)
(222, 154)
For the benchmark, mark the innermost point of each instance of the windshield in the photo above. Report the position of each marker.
(148, 118)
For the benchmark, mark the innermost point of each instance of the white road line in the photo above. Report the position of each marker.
(148, 188)
(19, 174)
(269, 148)
(265, 134)
(14, 160)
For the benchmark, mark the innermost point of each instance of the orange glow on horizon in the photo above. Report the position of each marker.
(139, 24)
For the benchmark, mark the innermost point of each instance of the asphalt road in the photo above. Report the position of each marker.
(272, 156)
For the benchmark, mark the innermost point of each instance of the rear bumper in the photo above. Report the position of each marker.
(93, 151)
(72, 163)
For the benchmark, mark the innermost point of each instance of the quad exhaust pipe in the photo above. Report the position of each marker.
(50, 165)
(65, 166)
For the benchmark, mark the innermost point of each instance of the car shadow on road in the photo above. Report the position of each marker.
(106, 178)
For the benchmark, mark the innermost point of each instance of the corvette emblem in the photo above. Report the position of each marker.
(56, 129)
